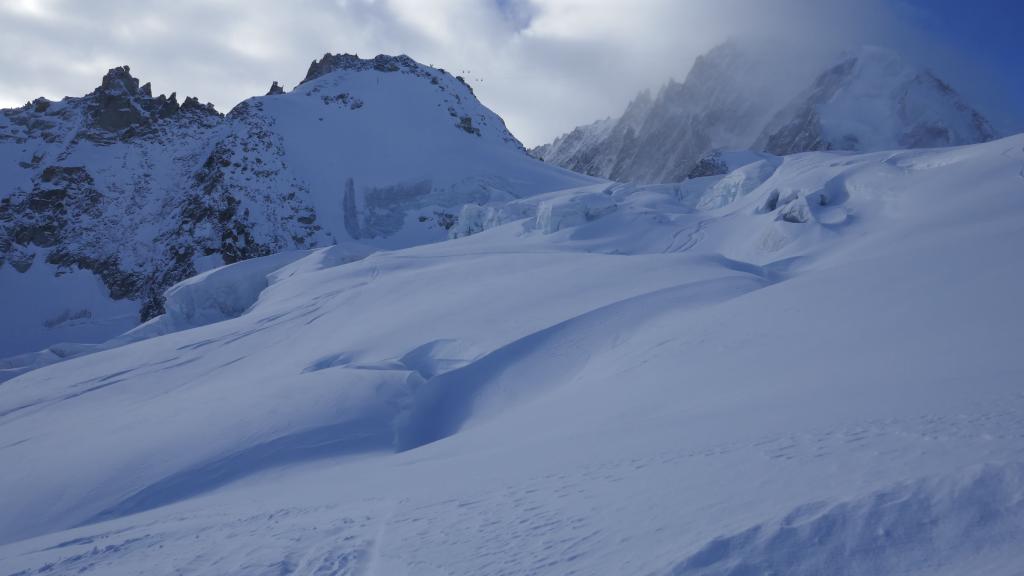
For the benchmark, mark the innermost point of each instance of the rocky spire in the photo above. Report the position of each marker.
(329, 63)
(118, 81)
(112, 104)
(120, 103)
(275, 89)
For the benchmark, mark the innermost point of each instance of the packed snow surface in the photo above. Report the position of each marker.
(812, 367)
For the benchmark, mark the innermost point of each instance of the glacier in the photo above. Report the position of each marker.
(807, 364)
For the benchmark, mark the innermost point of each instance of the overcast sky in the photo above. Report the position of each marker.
(543, 65)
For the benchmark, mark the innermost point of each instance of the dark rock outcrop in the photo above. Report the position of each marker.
(381, 63)
(119, 103)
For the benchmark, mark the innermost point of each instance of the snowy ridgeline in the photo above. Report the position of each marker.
(739, 96)
(808, 365)
(108, 199)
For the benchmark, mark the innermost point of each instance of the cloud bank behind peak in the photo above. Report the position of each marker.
(544, 65)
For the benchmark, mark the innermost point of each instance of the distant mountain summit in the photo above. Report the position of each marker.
(141, 191)
(870, 100)
(874, 100)
(723, 102)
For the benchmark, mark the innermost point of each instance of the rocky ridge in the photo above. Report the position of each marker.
(143, 191)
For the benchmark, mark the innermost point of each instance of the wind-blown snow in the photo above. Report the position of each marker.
(814, 373)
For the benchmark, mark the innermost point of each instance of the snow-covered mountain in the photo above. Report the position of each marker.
(108, 199)
(871, 100)
(809, 365)
(724, 102)
(874, 100)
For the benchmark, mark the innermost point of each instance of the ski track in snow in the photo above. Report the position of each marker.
(694, 235)
(1010, 153)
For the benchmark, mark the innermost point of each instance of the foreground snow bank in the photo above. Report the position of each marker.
(941, 526)
(228, 291)
(566, 212)
(212, 296)
(215, 295)
(46, 305)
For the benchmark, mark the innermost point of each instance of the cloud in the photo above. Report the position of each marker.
(544, 65)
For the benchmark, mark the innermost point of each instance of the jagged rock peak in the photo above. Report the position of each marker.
(275, 89)
(120, 103)
(39, 105)
(192, 103)
(118, 81)
(382, 63)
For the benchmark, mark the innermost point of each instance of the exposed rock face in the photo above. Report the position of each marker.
(119, 103)
(710, 164)
(275, 89)
(85, 179)
(159, 185)
(381, 63)
(873, 100)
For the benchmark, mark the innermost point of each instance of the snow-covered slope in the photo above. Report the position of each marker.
(734, 98)
(140, 192)
(807, 367)
(874, 100)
